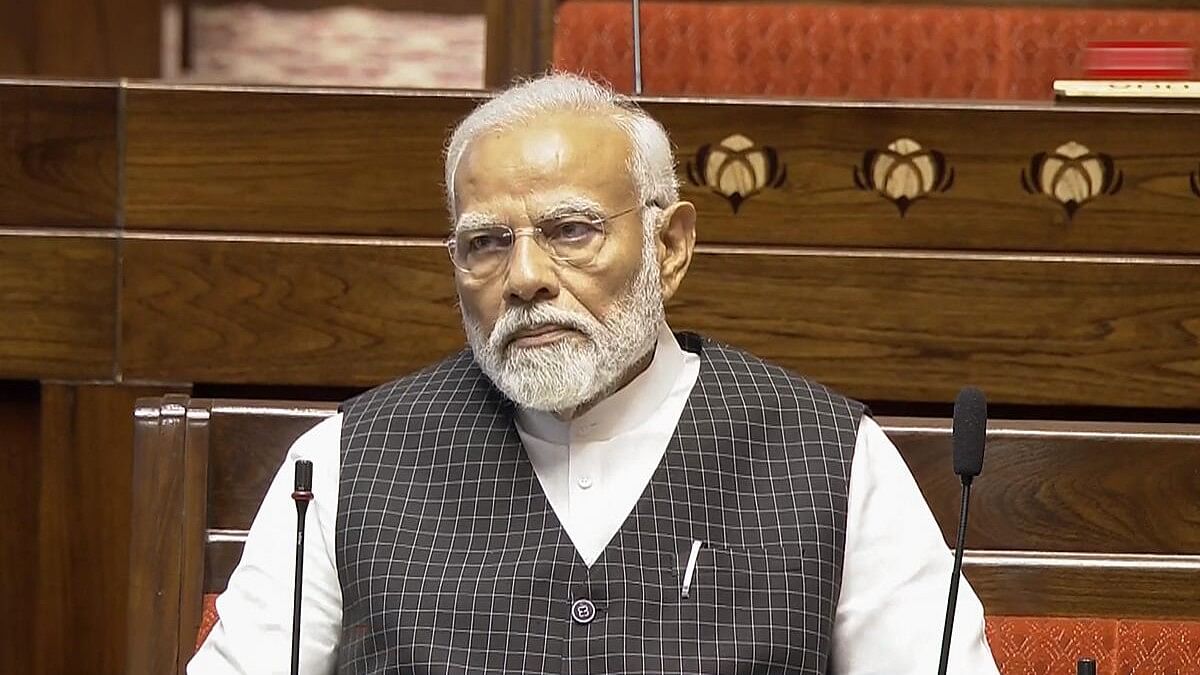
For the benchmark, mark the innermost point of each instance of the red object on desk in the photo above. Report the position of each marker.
(1139, 59)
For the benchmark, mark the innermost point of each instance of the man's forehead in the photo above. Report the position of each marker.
(543, 162)
(547, 145)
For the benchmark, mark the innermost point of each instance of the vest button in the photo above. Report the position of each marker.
(583, 611)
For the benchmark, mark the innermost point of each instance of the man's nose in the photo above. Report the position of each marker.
(532, 273)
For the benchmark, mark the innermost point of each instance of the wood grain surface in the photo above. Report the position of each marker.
(246, 446)
(1099, 587)
(58, 299)
(370, 163)
(1066, 486)
(58, 155)
(98, 38)
(19, 417)
(287, 162)
(878, 326)
(84, 526)
(157, 540)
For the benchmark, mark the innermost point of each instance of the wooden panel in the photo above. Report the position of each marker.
(287, 162)
(1066, 486)
(520, 39)
(58, 303)
(985, 208)
(58, 155)
(247, 447)
(99, 38)
(84, 508)
(881, 327)
(18, 511)
(1094, 587)
(370, 162)
(303, 314)
(157, 536)
(16, 32)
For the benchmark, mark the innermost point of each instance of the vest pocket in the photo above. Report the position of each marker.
(746, 605)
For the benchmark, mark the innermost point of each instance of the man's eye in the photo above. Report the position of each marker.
(573, 230)
(486, 242)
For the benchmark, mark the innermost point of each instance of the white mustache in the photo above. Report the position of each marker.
(521, 319)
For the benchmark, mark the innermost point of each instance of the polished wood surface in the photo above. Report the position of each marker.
(1113, 586)
(878, 325)
(347, 163)
(1066, 486)
(59, 306)
(1060, 527)
(16, 43)
(19, 416)
(159, 523)
(81, 38)
(243, 445)
(84, 526)
(370, 163)
(520, 39)
(58, 155)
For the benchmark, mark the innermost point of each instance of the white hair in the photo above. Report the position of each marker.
(651, 162)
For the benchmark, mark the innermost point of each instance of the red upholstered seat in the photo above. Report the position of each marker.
(1047, 646)
(847, 51)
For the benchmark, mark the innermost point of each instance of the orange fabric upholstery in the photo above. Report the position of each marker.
(1046, 646)
(847, 51)
(1051, 646)
(208, 619)
(1158, 648)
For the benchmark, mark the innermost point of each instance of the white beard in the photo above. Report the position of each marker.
(571, 372)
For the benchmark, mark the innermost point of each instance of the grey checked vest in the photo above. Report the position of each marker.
(451, 559)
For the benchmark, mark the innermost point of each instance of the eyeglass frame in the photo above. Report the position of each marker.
(538, 235)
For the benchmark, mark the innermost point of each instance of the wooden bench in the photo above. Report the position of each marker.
(1080, 530)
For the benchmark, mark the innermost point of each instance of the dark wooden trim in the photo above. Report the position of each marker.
(520, 40)
(195, 516)
(157, 549)
(1047, 584)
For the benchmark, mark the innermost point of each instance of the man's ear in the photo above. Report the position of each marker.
(676, 241)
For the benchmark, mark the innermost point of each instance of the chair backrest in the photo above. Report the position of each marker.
(1069, 519)
(200, 470)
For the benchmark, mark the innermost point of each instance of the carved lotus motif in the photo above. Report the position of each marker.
(1072, 175)
(904, 173)
(736, 169)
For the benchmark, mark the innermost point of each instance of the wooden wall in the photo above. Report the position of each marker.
(81, 38)
(157, 239)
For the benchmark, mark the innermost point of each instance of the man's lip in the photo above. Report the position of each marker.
(541, 334)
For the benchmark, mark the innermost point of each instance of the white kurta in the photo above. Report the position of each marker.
(593, 469)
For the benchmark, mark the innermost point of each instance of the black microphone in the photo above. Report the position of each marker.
(970, 436)
(302, 495)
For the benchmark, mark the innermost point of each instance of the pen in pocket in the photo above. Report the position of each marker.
(691, 567)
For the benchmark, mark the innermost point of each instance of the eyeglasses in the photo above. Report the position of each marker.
(573, 239)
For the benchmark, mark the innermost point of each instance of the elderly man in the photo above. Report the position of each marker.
(584, 491)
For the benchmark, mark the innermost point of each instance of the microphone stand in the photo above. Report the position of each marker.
(302, 495)
(952, 602)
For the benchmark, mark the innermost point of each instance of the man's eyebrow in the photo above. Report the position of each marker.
(468, 222)
(573, 206)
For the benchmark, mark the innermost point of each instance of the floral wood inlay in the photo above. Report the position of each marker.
(904, 173)
(736, 169)
(1072, 175)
